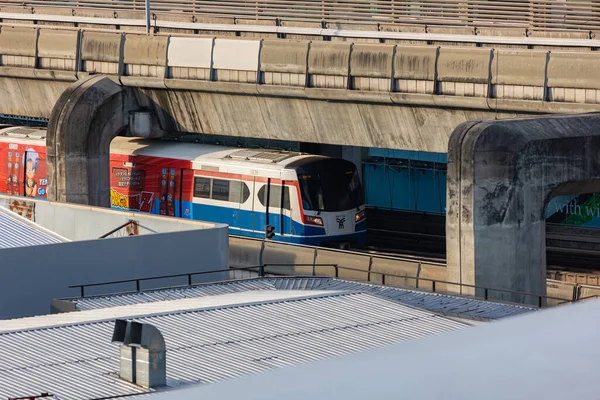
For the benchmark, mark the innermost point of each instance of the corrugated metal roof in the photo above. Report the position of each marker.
(78, 361)
(156, 307)
(16, 231)
(458, 306)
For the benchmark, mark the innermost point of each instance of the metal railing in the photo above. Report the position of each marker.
(480, 292)
(534, 14)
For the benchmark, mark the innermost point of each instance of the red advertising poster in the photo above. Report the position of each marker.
(128, 190)
(171, 193)
(25, 171)
(163, 190)
(35, 182)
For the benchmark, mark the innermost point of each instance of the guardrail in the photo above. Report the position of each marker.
(261, 271)
(546, 14)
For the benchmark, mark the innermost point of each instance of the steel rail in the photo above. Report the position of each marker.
(381, 35)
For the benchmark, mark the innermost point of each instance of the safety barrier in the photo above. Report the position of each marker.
(284, 62)
(18, 47)
(518, 74)
(244, 252)
(236, 60)
(545, 14)
(387, 72)
(329, 65)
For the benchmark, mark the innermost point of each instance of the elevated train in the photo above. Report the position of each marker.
(308, 199)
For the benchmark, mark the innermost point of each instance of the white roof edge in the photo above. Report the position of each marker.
(253, 297)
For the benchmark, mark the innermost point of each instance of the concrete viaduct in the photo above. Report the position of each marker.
(95, 83)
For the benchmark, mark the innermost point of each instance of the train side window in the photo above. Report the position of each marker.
(238, 192)
(245, 193)
(220, 190)
(235, 191)
(275, 196)
(202, 187)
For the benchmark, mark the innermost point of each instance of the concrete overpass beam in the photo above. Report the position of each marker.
(86, 117)
(501, 175)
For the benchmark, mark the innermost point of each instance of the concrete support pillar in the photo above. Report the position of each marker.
(85, 119)
(501, 175)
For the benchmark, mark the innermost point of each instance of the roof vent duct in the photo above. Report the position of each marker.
(143, 353)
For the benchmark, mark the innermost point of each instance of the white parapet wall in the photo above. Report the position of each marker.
(30, 277)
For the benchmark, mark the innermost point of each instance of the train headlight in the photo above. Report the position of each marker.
(309, 219)
(359, 216)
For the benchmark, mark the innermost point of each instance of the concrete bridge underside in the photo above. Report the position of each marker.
(235, 111)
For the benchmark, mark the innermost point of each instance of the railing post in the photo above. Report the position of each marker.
(433, 286)
(337, 271)
(147, 9)
(485, 293)
(382, 279)
(540, 301)
(189, 279)
(137, 285)
(261, 270)
(82, 291)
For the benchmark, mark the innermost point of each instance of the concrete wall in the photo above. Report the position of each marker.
(32, 276)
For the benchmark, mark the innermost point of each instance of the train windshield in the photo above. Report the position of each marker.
(334, 187)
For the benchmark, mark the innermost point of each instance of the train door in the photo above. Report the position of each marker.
(286, 209)
(186, 194)
(246, 211)
(274, 205)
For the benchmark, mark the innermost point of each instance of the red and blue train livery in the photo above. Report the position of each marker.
(308, 199)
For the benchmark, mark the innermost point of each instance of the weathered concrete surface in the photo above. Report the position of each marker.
(87, 116)
(308, 120)
(501, 175)
(30, 97)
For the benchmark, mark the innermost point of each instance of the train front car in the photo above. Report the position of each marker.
(332, 202)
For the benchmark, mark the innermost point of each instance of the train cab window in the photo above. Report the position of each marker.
(202, 187)
(275, 196)
(312, 192)
(220, 190)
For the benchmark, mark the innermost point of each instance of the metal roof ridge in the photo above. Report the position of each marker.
(159, 308)
(377, 287)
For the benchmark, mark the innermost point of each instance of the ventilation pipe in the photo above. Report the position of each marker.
(143, 353)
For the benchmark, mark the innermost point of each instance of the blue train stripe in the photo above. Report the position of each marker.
(251, 224)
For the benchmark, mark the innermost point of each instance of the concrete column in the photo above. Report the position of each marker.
(85, 119)
(501, 175)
